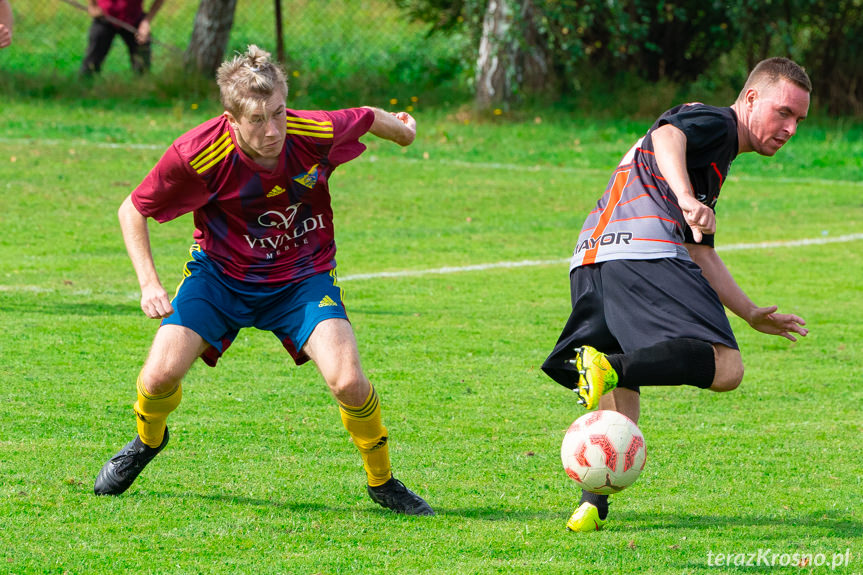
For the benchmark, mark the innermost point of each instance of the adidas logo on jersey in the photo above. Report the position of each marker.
(276, 191)
(327, 301)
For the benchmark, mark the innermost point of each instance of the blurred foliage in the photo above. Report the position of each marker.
(681, 41)
(623, 54)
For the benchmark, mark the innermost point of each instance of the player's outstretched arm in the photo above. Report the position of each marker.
(669, 145)
(763, 319)
(154, 298)
(400, 127)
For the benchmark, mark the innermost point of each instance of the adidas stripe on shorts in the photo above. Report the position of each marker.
(216, 307)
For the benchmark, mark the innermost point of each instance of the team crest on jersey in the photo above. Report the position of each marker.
(310, 178)
(276, 191)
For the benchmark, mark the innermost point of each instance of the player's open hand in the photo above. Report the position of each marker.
(155, 302)
(766, 320)
(700, 218)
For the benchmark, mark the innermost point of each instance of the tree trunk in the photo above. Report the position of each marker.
(493, 62)
(510, 60)
(210, 34)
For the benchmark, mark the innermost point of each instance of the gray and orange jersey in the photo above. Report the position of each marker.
(638, 216)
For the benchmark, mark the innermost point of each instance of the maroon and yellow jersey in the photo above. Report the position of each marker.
(258, 226)
(638, 216)
(129, 11)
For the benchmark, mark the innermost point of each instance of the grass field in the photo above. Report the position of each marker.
(260, 477)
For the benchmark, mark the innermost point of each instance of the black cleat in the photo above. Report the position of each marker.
(394, 495)
(120, 471)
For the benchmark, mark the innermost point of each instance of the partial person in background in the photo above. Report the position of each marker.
(125, 18)
(6, 21)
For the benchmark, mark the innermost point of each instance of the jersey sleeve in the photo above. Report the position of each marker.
(704, 128)
(348, 126)
(170, 190)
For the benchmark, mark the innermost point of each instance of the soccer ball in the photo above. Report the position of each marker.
(603, 451)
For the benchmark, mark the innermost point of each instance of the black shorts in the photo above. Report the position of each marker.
(622, 305)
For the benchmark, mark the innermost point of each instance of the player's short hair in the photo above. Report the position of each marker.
(770, 71)
(248, 80)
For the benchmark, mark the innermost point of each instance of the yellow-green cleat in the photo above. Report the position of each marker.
(595, 376)
(585, 519)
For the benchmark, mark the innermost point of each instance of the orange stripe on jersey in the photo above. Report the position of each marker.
(645, 218)
(613, 198)
(635, 198)
(655, 240)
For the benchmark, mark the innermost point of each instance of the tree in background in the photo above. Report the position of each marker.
(549, 48)
(210, 34)
(511, 57)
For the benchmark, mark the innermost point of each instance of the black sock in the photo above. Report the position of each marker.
(600, 501)
(683, 361)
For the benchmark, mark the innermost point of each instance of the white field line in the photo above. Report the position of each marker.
(471, 268)
(529, 263)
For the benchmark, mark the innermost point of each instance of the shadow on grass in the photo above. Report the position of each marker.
(814, 523)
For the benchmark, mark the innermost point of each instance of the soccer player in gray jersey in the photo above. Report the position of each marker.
(647, 286)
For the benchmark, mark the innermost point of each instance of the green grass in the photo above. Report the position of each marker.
(260, 476)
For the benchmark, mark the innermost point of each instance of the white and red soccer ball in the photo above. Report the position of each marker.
(603, 451)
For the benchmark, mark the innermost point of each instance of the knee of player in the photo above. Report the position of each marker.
(350, 388)
(729, 377)
(158, 381)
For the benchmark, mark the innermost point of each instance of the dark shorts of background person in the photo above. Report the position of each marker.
(619, 306)
(100, 38)
(216, 307)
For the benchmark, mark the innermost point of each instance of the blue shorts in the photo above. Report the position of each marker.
(216, 307)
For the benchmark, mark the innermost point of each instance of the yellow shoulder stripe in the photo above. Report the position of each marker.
(213, 153)
(310, 128)
(308, 121)
(315, 134)
(216, 159)
(307, 127)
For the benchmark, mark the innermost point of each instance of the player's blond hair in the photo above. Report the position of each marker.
(770, 71)
(248, 80)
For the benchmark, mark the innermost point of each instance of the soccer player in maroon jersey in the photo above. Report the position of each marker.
(256, 179)
(647, 286)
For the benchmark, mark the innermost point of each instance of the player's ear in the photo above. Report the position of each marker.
(234, 122)
(751, 96)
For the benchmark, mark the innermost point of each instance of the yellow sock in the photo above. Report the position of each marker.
(152, 412)
(370, 437)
